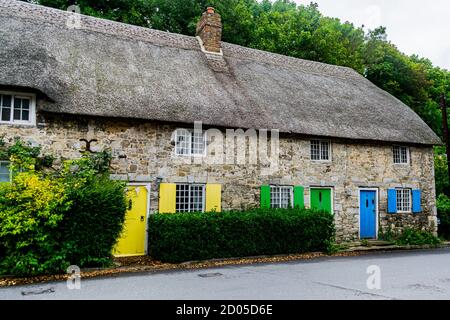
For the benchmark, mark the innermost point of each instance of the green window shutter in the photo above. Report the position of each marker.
(265, 197)
(299, 193)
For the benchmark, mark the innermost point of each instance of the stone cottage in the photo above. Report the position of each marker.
(339, 142)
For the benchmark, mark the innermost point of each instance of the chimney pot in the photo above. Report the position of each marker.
(209, 29)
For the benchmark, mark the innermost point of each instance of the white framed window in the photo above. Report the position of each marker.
(190, 198)
(320, 150)
(5, 171)
(404, 200)
(281, 197)
(401, 154)
(190, 143)
(17, 108)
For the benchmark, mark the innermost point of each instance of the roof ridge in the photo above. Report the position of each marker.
(158, 37)
(283, 60)
(105, 26)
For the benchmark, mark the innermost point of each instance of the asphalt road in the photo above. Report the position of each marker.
(403, 275)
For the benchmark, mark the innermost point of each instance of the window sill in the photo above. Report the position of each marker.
(190, 156)
(18, 125)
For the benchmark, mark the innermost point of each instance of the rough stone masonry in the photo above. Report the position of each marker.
(144, 151)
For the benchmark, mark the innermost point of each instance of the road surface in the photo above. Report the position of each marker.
(402, 275)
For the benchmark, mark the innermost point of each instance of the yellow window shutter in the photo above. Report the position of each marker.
(167, 197)
(213, 197)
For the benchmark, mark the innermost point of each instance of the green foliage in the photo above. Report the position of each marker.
(441, 171)
(94, 221)
(443, 210)
(50, 220)
(417, 237)
(386, 235)
(24, 156)
(408, 236)
(31, 208)
(197, 236)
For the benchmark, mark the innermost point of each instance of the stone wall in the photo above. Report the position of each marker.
(143, 151)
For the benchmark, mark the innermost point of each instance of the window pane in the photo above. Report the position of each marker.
(403, 200)
(6, 100)
(280, 197)
(404, 155)
(324, 150)
(6, 114)
(25, 115)
(4, 171)
(400, 154)
(26, 104)
(183, 142)
(396, 151)
(189, 198)
(16, 114)
(198, 143)
(315, 150)
(17, 103)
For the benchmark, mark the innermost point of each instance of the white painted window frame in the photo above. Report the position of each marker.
(190, 185)
(409, 191)
(320, 150)
(280, 187)
(32, 114)
(190, 147)
(407, 155)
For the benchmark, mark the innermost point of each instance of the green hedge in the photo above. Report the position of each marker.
(443, 208)
(197, 236)
(94, 222)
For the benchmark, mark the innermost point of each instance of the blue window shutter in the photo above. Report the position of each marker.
(416, 201)
(392, 201)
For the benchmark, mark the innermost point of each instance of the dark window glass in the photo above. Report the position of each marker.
(25, 115)
(6, 114)
(6, 101)
(16, 114)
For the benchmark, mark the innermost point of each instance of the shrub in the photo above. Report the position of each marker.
(94, 222)
(48, 221)
(198, 236)
(416, 237)
(443, 208)
(31, 209)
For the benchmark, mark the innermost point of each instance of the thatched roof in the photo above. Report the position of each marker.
(116, 70)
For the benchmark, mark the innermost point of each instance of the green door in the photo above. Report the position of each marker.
(321, 199)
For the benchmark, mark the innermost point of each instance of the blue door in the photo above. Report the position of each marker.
(368, 214)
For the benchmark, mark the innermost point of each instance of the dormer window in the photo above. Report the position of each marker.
(190, 142)
(17, 108)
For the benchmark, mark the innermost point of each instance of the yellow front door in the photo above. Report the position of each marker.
(132, 240)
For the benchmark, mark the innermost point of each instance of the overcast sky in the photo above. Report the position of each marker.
(415, 26)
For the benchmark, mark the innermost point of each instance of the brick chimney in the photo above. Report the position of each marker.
(209, 29)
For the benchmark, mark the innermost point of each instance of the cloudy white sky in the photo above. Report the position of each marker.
(415, 26)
